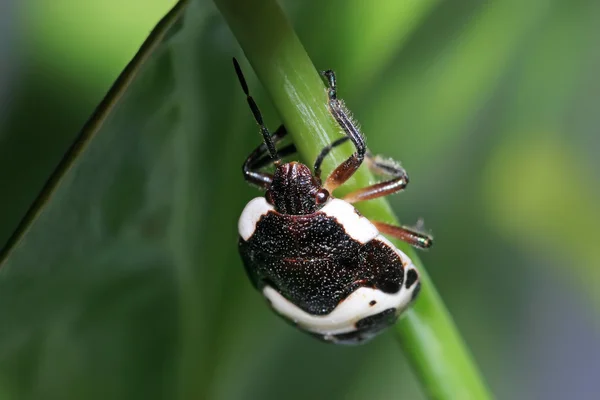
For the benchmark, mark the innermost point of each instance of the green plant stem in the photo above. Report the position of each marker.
(426, 331)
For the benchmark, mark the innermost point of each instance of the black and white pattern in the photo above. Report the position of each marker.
(330, 273)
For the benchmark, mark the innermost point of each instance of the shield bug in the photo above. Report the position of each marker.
(322, 265)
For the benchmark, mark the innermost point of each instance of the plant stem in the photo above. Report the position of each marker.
(426, 331)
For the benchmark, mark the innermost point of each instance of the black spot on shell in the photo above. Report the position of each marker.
(355, 337)
(375, 320)
(389, 286)
(366, 329)
(411, 278)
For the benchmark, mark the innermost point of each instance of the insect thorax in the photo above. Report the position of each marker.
(294, 190)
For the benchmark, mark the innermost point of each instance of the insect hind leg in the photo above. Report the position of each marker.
(385, 167)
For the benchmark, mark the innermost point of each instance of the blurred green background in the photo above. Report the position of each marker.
(128, 291)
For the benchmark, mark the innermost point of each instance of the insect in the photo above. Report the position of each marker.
(320, 264)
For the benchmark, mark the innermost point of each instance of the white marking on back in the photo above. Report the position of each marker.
(344, 317)
(254, 210)
(357, 227)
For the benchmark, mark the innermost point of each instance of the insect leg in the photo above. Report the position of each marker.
(408, 235)
(326, 150)
(260, 158)
(336, 107)
(381, 166)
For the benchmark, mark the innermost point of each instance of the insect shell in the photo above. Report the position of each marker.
(319, 263)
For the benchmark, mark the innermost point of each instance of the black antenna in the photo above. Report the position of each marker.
(257, 115)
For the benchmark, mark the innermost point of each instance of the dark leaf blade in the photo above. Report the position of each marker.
(160, 35)
(88, 289)
(83, 332)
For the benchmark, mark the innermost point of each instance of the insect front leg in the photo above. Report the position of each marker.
(338, 110)
(260, 158)
(377, 164)
(326, 150)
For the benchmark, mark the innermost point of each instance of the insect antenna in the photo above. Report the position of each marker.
(257, 115)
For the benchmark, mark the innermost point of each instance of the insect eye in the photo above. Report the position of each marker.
(322, 196)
